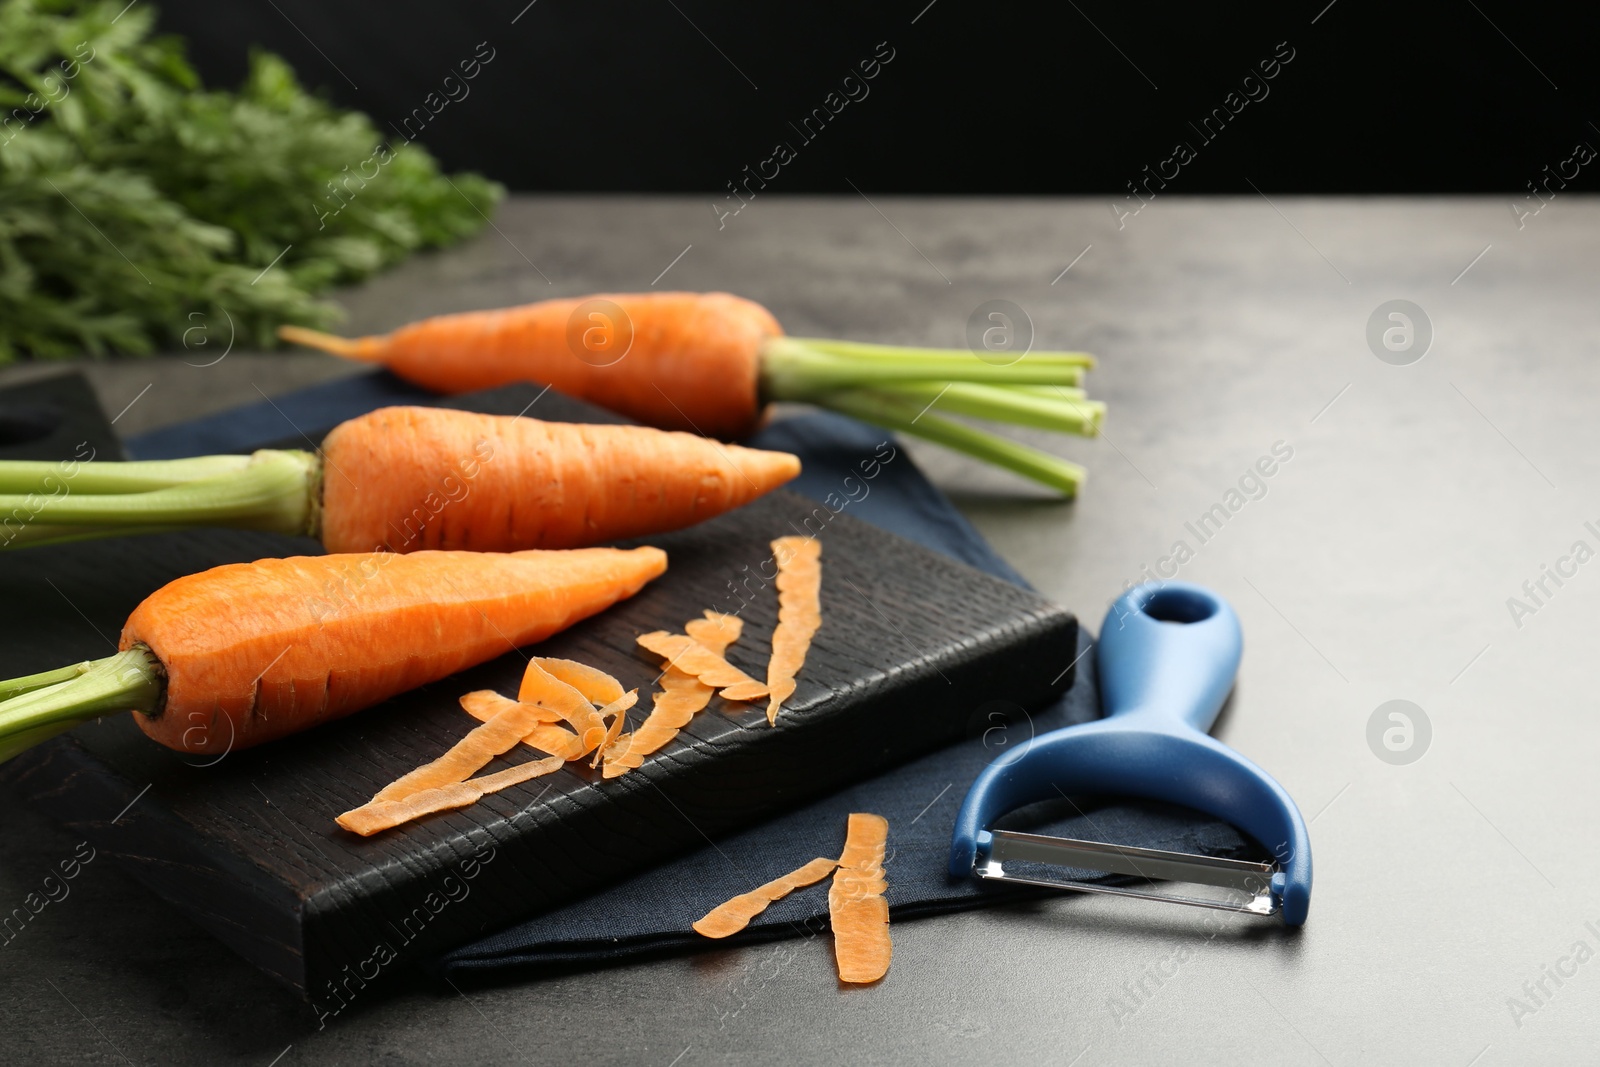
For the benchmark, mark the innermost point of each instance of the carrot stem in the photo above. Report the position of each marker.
(127, 681)
(862, 350)
(894, 412)
(793, 369)
(270, 490)
(28, 683)
(139, 476)
(1008, 404)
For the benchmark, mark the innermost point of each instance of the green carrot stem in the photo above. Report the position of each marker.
(897, 413)
(128, 681)
(275, 491)
(1054, 391)
(72, 476)
(28, 683)
(795, 370)
(898, 353)
(1006, 404)
(23, 740)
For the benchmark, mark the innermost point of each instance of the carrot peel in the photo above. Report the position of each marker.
(482, 744)
(549, 736)
(692, 657)
(799, 615)
(376, 816)
(734, 915)
(541, 687)
(681, 695)
(857, 909)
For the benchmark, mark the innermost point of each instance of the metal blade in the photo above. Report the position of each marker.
(1234, 885)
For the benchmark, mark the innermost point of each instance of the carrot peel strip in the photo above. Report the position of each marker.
(691, 657)
(376, 816)
(857, 909)
(617, 709)
(481, 745)
(549, 736)
(541, 687)
(681, 695)
(596, 685)
(799, 584)
(734, 915)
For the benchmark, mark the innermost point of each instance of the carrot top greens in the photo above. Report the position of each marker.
(227, 211)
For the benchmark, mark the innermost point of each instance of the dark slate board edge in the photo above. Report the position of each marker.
(82, 795)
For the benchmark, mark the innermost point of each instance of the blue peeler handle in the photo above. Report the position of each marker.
(1166, 659)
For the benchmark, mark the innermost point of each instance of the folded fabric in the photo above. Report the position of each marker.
(652, 912)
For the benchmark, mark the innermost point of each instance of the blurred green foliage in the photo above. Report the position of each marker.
(135, 203)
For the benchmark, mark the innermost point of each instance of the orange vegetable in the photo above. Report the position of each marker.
(734, 915)
(856, 907)
(691, 657)
(407, 478)
(411, 478)
(250, 655)
(710, 362)
(799, 614)
(379, 815)
(680, 697)
(686, 361)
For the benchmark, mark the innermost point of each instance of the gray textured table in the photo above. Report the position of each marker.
(1377, 566)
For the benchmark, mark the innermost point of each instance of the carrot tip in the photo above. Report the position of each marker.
(345, 347)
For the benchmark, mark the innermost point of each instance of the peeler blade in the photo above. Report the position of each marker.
(1225, 884)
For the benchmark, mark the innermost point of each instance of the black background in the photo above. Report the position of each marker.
(681, 95)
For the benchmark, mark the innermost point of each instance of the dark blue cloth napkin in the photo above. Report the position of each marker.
(652, 912)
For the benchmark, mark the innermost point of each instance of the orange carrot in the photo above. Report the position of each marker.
(691, 657)
(410, 477)
(684, 361)
(248, 652)
(711, 362)
(799, 614)
(680, 696)
(856, 907)
(734, 915)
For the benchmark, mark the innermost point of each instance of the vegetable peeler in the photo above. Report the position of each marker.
(1167, 657)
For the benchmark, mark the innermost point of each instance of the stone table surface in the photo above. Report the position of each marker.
(1383, 560)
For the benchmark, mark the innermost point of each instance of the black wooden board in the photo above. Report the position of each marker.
(245, 843)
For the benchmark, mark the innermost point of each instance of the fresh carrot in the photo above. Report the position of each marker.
(712, 362)
(410, 478)
(249, 652)
(683, 361)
